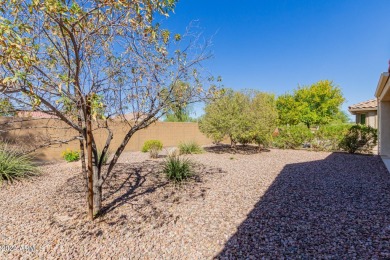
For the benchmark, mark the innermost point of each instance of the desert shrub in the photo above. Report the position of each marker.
(244, 138)
(359, 138)
(263, 141)
(240, 116)
(292, 137)
(70, 155)
(14, 165)
(173, 151)
(190, 148)
(177, 169)
(152, 144)
(153, 152)
(328, 137)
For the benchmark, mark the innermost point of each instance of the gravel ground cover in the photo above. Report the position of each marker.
(276, 204)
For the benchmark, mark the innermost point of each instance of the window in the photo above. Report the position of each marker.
(363, 119)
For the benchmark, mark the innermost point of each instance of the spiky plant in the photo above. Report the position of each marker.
(177, 169)
(14, 165)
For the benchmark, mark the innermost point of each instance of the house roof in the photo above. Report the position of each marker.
(35, 114)
(382, 91)
(382, 84)
(371, 104)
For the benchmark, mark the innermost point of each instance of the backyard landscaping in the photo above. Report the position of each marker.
(273, 204)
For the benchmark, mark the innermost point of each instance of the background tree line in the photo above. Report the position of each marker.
(253, 117)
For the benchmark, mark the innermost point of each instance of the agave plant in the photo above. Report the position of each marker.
(14, 165)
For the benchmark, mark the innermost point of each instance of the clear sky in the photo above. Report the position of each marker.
(274, 45)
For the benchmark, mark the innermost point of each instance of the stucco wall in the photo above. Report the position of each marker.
(171, 134)
(371, 118)
(384, 128)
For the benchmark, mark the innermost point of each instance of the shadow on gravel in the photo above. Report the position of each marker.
(129, 181)
(334, 208)
(135, 194)
(240, 149)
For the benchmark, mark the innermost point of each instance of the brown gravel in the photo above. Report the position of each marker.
(277, 204)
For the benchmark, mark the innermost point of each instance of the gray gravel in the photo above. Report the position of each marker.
(277, 204)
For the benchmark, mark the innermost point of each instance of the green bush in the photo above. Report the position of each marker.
(190, 148)
(292, 137)
(14, 165)
(70, 155)
(177, 169)
(244, 138)
(155, 144)
(359, 138)
(328, 137)
(263, 141)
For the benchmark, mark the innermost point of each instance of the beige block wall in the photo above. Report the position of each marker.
(171, 134)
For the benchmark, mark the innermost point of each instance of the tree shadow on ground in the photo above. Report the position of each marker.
(143, 188)
(239, 149)
(136, 194)
(334, 208)
(129, 181)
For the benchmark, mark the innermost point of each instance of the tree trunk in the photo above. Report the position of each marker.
(232, 143)
(97, 188)
(83, 165)
(82, 154)
(89, 154)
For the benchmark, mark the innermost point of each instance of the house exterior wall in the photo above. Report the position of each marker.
(384, 128)
(371, 118)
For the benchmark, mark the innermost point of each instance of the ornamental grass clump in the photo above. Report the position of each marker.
(190, 148)
(14, 165)
(177, 169)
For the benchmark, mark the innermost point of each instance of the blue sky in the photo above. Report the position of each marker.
(274, 45)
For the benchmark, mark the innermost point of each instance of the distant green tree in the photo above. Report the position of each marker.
(179, 112)
(342, 117)
(6, 107)
(264, 118)
(183, 116)
(225, 117)
(317, 104)
(244, 117)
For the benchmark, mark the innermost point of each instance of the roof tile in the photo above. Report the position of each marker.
(366, 105)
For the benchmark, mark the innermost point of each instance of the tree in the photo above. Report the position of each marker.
(244, 117)
(317, 104)
(6, 107)
(341, 118)
(179, 112)
(264, 118)
(224, 117)
(179, 116)
(86, 60)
